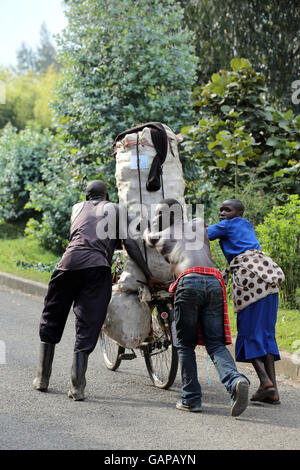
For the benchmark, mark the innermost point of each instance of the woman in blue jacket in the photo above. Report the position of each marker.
(255, 341)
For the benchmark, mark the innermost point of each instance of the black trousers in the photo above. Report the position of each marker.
(89, 290)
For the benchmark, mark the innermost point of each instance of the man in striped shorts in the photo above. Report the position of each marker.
(200, 311)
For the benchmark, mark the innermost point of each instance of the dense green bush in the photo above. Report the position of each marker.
(239, 138)
(28, 98)
(60, 187)
(279, 237)
(21, 155)
(264, 31)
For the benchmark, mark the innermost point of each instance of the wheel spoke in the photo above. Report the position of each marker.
(161, 359)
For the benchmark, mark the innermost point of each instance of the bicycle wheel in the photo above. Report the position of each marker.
(111, 351)
(160, 355)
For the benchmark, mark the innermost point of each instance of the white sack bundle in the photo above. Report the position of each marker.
(129, 183)
(127, 320)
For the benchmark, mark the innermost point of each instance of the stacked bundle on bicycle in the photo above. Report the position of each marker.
(148, 169)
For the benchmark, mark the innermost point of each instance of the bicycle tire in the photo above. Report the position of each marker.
(161, 356)
(111, 351)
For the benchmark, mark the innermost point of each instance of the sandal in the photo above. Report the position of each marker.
(272, 399)
(262, 393)
(271, 402)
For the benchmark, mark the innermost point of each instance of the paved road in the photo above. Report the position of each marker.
(123, 411)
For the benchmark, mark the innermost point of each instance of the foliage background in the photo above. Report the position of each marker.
(221, 73)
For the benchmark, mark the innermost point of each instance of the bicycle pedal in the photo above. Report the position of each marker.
(127, 356)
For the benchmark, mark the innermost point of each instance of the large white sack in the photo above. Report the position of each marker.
(127, 320)
(127, 179)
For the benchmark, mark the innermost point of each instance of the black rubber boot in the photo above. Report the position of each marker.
(41, 381)
(78, 382)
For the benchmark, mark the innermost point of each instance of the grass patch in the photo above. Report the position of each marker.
(25, 258)
(22, 257)
(287, 329)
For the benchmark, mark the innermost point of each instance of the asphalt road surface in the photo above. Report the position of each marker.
(123, 410)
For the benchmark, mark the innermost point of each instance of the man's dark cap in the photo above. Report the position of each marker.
(95, 190)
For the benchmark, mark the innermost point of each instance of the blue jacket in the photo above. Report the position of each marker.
(236, 236)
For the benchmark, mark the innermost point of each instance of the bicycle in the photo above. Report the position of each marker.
(158, 350)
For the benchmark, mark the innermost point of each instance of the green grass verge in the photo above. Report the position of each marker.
(25, 258)
(22, 257)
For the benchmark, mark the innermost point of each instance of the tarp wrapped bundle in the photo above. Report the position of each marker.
(127, 320)
(148, 169)
(133, 194)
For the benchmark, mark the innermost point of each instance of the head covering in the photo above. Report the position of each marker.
(96, 190)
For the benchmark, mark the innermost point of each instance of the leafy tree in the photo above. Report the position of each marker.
(21, 156)
(37, 61)
(124, 63)
(280, 238)
(7, 110)
(239, 136)
(53, 196)
(26, 59)
(46, 52)
(264, 31)
(28, 98)
(22, 93)
(42, 110)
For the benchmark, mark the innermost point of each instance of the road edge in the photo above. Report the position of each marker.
(24, 285)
